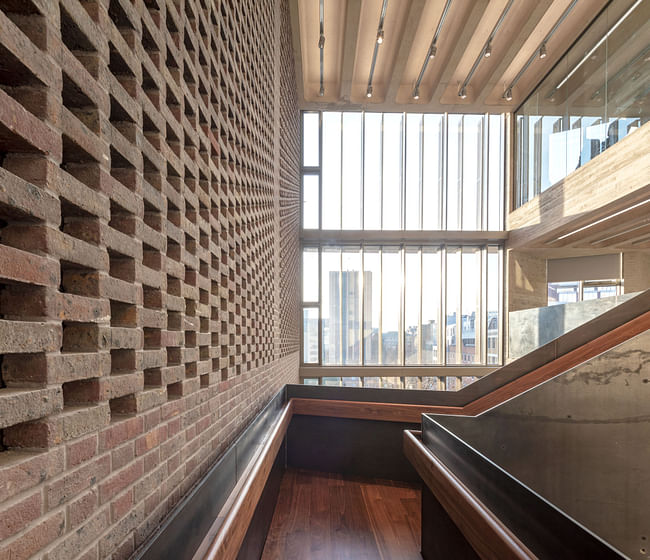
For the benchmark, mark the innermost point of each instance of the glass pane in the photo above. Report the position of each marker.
(454, 174)
(310, 144)
(493, 305)
(391, 382)
(371, 305)
(310, 335)
(453, 353)
(392, 167)
(350, 335)
(472, 171)
(471, 311)
(627, 84)
(310, 201)
(310, 381)
(412, 307)
(390, 307)
(495, 174)
(331, 171)
(413, 167)
(372, 171)
(310, 275)
(331, 305)
(432, 172)
(563, 292)
(431, 274)
(598, 292)
(351, 170)
(352, 382)
(413, 383)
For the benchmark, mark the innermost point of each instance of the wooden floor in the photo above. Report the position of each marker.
(331, 517)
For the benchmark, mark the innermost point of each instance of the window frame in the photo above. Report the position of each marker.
(417, 239)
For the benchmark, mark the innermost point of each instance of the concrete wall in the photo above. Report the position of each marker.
(636, 271)
(526, 281)
(149, 215)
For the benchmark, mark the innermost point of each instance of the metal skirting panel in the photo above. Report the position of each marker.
(184, 529)
(367, 448)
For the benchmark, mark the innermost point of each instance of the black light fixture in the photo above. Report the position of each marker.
(321, 46)
(379, 40)
(431, 53)
(540, 52)
(488, 49)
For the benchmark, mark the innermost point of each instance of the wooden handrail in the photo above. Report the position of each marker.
(411, 413)
(238, 511)
(489, 537)
(390, 412)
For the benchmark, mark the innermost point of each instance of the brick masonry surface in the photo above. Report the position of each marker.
(149, 216)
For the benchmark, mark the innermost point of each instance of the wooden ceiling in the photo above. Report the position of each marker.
(350, 30)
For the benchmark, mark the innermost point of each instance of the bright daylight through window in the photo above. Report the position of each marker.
(402, 239)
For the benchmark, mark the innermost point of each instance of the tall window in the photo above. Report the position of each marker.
(402, 239)
(402, 305)
(395, 171)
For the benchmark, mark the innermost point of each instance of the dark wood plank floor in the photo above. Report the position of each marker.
(323, 516)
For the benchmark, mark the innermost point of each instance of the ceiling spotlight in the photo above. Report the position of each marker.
(321, 42)
(508, 94)
(416, 93)
(433, 51)
(322, 91)
(462, 93)
(542, 50)
(380, 36)
(488, 50)
(369, 92)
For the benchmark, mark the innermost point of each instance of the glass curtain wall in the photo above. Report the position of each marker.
(371, 299)
(396, 171)
(402, 305)
(596, 95)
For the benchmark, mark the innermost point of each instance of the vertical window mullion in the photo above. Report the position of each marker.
(362, 291)
(340, 356)
(420, 311)
(402, 197)
(483, 306)
(459, 310)
(320, 171)
(401, 346)
(363, 173)
(421, 180)
(341, 174)
(380, 336)
(320, 306)
(442, 314)
(381, 174)
(443, 189)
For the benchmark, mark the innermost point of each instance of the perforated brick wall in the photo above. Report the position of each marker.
(149, 214)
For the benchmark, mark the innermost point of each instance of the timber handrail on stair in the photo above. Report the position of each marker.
(396, 412)
(487, 535)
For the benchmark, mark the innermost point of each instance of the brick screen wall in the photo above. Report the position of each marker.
(149, 215)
